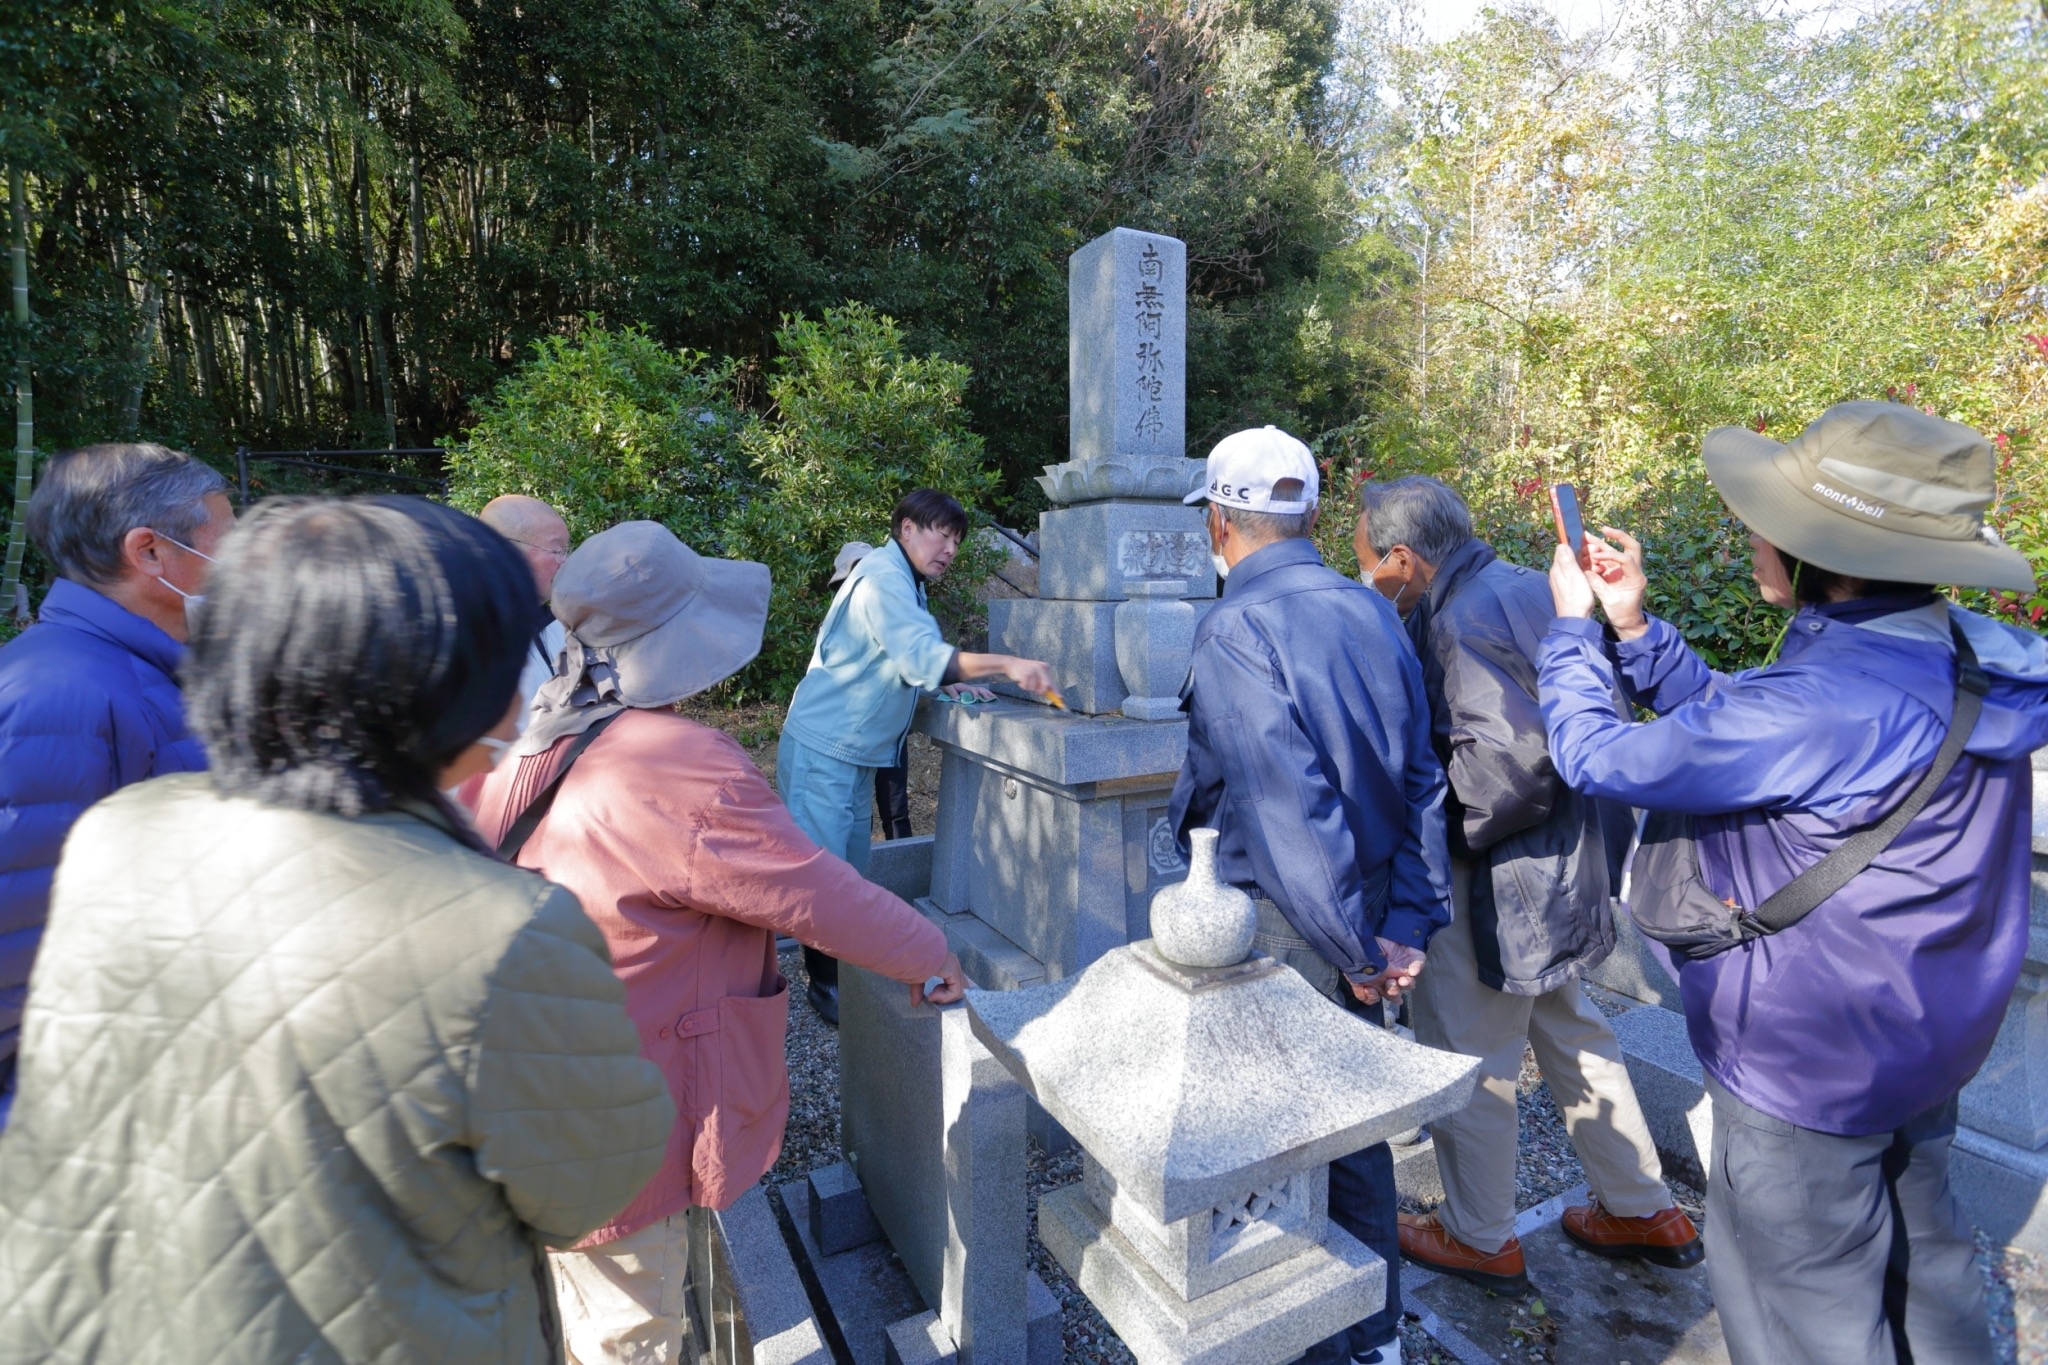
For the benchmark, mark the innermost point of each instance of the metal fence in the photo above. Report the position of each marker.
(329, 467)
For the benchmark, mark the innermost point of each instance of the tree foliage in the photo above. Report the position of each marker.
(344, 222)
(1613, 243)
(613, 426)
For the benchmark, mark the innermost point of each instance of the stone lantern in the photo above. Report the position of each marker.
(1209, 1102)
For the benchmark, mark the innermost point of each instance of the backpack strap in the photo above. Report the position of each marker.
(536, 810)
(1798, 897)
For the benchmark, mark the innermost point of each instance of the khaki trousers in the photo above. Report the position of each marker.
(622, 1302)
(1581, 1063)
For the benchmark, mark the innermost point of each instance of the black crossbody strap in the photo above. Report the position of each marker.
(1799, 896)
(536, 810)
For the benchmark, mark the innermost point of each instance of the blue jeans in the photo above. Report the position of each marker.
(1363, 1202)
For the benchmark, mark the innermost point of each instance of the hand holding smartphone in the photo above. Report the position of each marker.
(1571, 531)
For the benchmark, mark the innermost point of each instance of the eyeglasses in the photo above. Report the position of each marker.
(548, 550)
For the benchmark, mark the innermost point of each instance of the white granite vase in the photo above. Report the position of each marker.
(1155, 638)
(1203, 922)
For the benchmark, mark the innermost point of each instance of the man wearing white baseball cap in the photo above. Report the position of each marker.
(1309, 752)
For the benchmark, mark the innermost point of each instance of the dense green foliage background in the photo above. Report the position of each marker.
(608, 250)
(1716, 213)
(343, 222)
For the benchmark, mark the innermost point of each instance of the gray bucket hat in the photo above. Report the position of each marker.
(650, 622)
(850, 554)
(1872, 490)
(670, 621)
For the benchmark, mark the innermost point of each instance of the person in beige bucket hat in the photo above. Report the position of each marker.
(1888, 736)
(690, 865)
(1877, 491)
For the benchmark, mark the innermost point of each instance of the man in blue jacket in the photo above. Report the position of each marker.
(89, 697)
(878, 650)
(1309, 752)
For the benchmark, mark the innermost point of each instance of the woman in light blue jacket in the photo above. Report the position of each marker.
(878, 649)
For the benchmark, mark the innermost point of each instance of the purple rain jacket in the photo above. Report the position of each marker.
(89, 703)
(1884, 1001)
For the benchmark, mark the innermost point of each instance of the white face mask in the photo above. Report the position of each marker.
(193, 600)
(1222, 569)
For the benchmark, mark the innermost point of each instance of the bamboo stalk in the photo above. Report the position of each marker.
(24, 396)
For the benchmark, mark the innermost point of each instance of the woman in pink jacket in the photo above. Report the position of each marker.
(687, 861)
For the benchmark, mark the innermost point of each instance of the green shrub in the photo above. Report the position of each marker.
(856, 424)
(608, 427)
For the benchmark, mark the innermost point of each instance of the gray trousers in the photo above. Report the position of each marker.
(1825, 1250)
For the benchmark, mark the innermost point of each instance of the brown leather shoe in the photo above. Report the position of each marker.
(1666, 1239)
(1424, 1241)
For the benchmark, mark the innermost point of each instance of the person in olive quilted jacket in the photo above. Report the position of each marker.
(306, 1073)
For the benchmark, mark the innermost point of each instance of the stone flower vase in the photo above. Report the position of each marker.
(1155, 635)
(1203, 922)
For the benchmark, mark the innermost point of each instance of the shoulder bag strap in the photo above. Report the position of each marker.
(1798, 897)
(536, 810)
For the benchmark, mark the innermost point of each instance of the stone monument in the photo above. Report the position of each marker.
(1051, 838)
(1209, 1096)
(1052, 829)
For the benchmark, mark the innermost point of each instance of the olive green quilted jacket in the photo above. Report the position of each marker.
(296, 1087)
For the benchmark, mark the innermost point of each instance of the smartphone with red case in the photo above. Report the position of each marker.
(1571, 532)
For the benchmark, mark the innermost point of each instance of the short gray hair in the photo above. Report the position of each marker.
(90, 498)
(1262, 528)
(1427, 516)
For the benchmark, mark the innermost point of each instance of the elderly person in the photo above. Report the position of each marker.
(1529, 909)
(89, 696)
(877, 650)
(1835, 1046)
(1309, 753)
(690, 866)
(543, 539)
(308, 1074)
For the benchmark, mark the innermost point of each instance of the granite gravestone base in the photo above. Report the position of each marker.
(920, 1236)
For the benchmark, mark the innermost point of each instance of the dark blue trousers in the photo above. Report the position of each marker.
(1363, 1202)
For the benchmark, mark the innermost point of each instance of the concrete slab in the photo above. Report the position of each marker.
(902, 867)
(890, 1126)
(866, 1288)
(1594, 1310)
(2003, 1189)
(1672, 1090)
(838, 1210)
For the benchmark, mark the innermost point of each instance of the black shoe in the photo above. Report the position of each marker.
(824, 1002)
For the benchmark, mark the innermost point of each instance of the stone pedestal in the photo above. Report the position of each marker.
(1209, 1103)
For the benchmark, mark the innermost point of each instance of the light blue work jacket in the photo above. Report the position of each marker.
(877, 650)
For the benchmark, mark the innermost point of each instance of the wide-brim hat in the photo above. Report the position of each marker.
(671, 622)
(1872, 490)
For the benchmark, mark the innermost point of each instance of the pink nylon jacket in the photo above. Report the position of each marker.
(685, 858)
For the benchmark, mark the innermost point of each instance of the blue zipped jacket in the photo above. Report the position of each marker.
(1309, 752)
(878, 650)
(89, 703)
(1883, 1001)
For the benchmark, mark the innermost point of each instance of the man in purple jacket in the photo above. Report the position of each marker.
(1834, 1050)
(89, 697)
